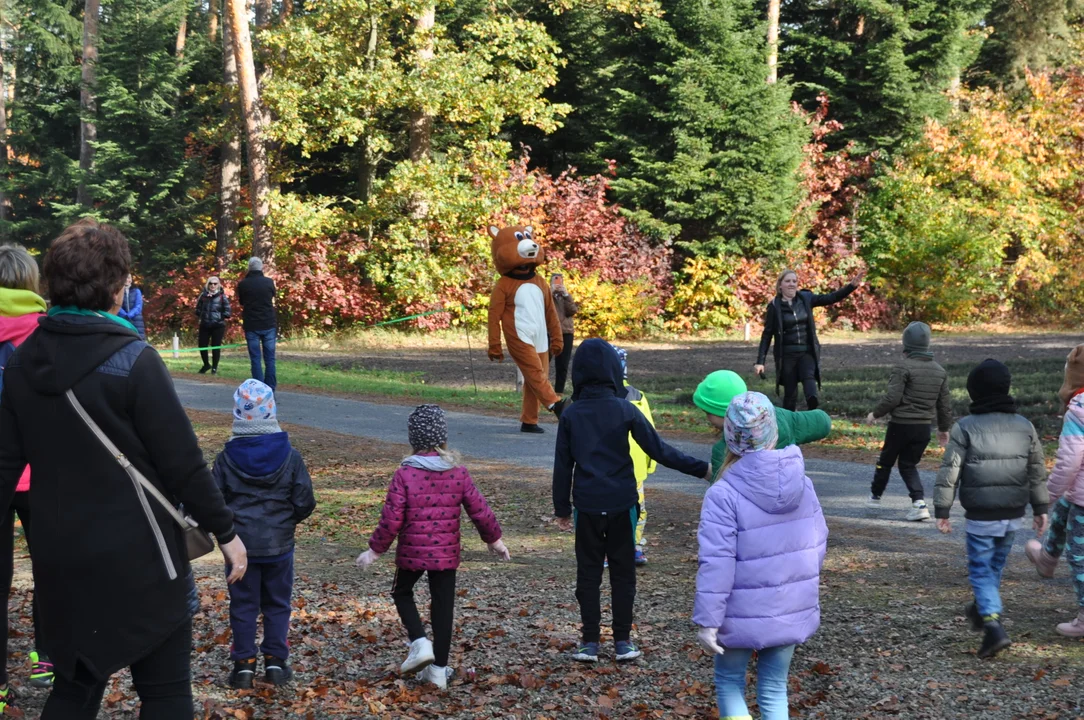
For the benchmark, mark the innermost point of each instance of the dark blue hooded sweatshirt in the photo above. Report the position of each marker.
(592, 461)
(266, 484)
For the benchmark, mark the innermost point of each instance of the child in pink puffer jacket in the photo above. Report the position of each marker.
(422, 508)
(1066, 484)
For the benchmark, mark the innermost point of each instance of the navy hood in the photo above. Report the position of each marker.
(259, 459)
(597, 364)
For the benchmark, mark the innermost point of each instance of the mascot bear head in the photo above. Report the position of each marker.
(514, 249)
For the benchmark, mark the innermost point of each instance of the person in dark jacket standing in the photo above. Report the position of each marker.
(593, 465)
(266, 484)
(789, 322)
(213, 310)
(131, 308)
(256, 293)
(566, 308)
(917, 395)
(995, 457)
(109, 563)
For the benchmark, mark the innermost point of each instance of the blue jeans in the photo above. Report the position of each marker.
(255, 338)
(773, 666)
(986, 557)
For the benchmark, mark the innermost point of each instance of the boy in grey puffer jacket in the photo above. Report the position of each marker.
(917, 395)
(995, 457)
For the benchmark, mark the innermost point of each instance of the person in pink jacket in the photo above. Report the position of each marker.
(762, 541)
(20, 308)
(422, 509)
(1066, 484)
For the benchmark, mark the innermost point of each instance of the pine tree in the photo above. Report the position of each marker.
(707, 150)
(1026, 34)
(885, 66)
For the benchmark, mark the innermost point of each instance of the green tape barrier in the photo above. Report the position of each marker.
(379, 324)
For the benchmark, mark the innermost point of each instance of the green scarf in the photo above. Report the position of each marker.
(16, 303)
(72, 310)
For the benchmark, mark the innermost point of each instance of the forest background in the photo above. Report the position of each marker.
(672, 155)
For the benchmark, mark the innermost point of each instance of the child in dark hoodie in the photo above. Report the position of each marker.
(592, 464)
(266, 484)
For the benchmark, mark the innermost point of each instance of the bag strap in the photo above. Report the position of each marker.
(125, 463)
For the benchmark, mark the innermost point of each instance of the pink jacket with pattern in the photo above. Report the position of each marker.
(423, 507)
(1067, 477)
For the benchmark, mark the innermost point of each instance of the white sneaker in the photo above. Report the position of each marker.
(437, 675)
(873, 502)
(420, 657)
(918, 511)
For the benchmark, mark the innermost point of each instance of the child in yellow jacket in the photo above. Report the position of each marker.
(642, 465)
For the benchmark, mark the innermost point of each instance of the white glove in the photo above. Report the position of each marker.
(709, 640)
(498, 548)
(366, 559)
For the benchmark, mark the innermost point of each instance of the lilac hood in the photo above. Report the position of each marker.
(762, 540)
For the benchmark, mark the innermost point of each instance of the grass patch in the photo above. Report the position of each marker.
(333, 379)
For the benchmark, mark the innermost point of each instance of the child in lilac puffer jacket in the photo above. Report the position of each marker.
(762, 541)
(422, 509)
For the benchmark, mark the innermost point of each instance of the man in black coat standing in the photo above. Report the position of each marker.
(256, 293)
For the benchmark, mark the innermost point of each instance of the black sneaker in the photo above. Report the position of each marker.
(244, 673)
(276, 671)
(214, 371)
(972, 613)
(203, 370)
(812, 402)
(995, 640)
(558, 408)
(530, 428)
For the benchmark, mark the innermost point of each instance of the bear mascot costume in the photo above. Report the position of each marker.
(523, 305)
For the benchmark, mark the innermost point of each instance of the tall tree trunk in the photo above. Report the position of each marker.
(212, 21)
(263, 12)
(366, 157)
(773, 41)
(287, 8)
(229, 196)
(182, 37)
(5, 203)
(252, 115)
(88, 101)
(421, 122)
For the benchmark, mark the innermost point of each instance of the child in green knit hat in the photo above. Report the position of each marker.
(713, 396)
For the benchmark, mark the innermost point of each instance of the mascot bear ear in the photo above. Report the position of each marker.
(530, 230)
(493, 230)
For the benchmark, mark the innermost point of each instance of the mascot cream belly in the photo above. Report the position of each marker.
(522, 306)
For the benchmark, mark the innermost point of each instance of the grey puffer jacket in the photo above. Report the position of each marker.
(917, 394)
(997, 461)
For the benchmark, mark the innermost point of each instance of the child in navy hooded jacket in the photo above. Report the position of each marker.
(266, 484)
(592, 464)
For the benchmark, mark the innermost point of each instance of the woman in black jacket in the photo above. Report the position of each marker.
(789, 321)
(109, 562)
(213, 310)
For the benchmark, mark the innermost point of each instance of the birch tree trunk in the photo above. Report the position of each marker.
(773, 41)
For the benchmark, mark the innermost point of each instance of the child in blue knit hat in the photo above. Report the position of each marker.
(266, 484)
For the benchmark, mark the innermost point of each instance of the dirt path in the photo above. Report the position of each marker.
(892, 641)
(656, 361)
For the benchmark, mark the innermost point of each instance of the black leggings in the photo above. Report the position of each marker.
(799, 368)
(163, 681)
(561, 364)
(441, 609)
(211, 337)
(20, 505)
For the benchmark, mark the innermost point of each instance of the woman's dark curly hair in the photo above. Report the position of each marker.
(87, 265)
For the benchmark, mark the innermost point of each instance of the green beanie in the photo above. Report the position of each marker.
(714, 393)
